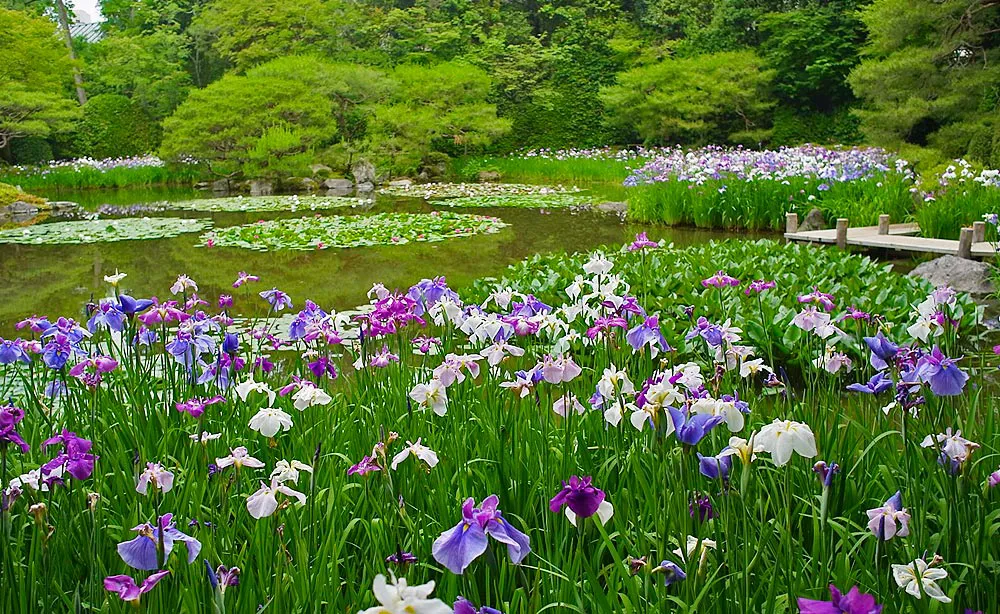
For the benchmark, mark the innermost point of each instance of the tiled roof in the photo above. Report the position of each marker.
(90, 32)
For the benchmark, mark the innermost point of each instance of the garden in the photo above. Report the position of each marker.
(480, 308)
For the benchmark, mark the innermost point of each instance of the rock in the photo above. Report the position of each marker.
(401, 183)
(220, 186)
(203, 185)
(338, 184)
(434, 171)
(261, 188)
(366, 186)
(363, 171)
(488, 177)
(613, 207)
(19, 207)
(307, 184)
(62, 206)
(814, 220)
(960, 274)
(320, 170)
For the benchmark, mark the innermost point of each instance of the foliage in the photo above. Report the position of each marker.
(533, 201)
(108, 173)
(34, 72)
(31, 150)
(261, 125)
(719, 98)
(840, 127)
(930, 72)
(114, 125)
(151, 69)
(429, 191)
(255, 204)
(102, 231)
(10, 194)
(312, 233)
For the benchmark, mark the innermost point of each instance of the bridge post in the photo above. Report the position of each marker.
(883, 224)
(791, 222)
(842, 232)
(965, 244)
(978, 232)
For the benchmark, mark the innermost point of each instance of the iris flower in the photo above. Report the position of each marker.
(400, 598)
(920, 578)
(10, 416)
(854, 602)
(264, 502)
(582, 499)
(882, 521)
(647, 333)
(690, 429)
(75, 456)
(141, 552)
(419, 451)
(456, 548)
(941, 372)
(156, 476)
(782, 437)
(879, 383)
(126, 588)
(239, 457)
(433, 395)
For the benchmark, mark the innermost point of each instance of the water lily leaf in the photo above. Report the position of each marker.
(100, 231)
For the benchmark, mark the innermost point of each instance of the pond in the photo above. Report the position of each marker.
(60, 279)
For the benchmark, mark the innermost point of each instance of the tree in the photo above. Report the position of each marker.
(34, 73)
(251, 125)
(441, 107)
(930, 73)
(721, 97)
(148, 68)
(251, 32)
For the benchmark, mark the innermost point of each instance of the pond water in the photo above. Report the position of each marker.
(59, 279)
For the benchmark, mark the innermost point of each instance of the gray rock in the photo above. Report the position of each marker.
(814, 220)
(220, 186)
(613, 207)
(19, 207)
(363, 171)
(320, 170)
(401, 183)
(203, 185)
(62, 206)
(366, 186)
(960, 274)
(338, 184)
(304, 183)
(488, 177)
(261, 188)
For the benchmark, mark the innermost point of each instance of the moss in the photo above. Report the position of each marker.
(10, 194)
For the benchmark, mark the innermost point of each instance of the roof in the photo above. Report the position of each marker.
(89, 32)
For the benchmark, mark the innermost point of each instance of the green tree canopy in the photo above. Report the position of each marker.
(721, 97)
(930, 73)
(255, 125)
(35, 73)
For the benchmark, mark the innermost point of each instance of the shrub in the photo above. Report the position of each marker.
(31, 150)
(9, 194)
(112, 126)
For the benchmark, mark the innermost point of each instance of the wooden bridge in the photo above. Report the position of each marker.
(898, 237)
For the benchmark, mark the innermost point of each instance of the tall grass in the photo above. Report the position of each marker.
(112, 173)
(778, 533)
(960, 197)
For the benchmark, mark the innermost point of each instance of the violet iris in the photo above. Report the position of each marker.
(459, 546)
(690, 429)
(75, 456)
(941, 372)
(854, 602)
(10, 416)
(579, 495)
(878, 384)
(882, 349)
(141, 552)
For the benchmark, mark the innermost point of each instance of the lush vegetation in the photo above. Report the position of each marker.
(481, 77)
(101, 231)
(292, 467)
(10, 194)
(258, 204)
(339, 231)
(106, 173)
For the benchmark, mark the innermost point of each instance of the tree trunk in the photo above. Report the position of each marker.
(81, 94)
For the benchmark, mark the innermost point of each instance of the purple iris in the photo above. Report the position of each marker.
(126, 588)
(854, 602)
(642, 242)
(826, 472)
(131, 306)
(689, 430)
(141, 552)
(12, 351)
(107, 315)
(647, 333)
(715, 467)
(882, 349)
(57, 351)
(759, 285)
(530, 307)
(10, 416)
(464, 606)
(671, 571)
(277, 299)
(941, 372)
(75, 456)
(222, 577)
(711, 333)
(459, 546)
(579, 495)
(822, 299)
(323, 366)
(879, 383)
(231, 343)
(428, 292)
(720, 280)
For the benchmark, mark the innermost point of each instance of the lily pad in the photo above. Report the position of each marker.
(311, 233)
(260, 204)
(522, 201)
(430, 191)
(103, 231)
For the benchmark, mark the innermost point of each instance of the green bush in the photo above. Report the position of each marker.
(9, 194)
(795, 128)
(30, 151)
(113, 126)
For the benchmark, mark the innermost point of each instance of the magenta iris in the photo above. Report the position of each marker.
(579, 495)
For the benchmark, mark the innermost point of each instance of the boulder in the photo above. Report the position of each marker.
(960, 274)
(401, 183)
(203, 185)
(18, 208)
(320, 170)
(261, 188)
(488, 177)
(62, 206)
(363, 171)
(307, 184)
(366, 186)
(338, 184)
(613, 207)
(813, 220)
(220, 186)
